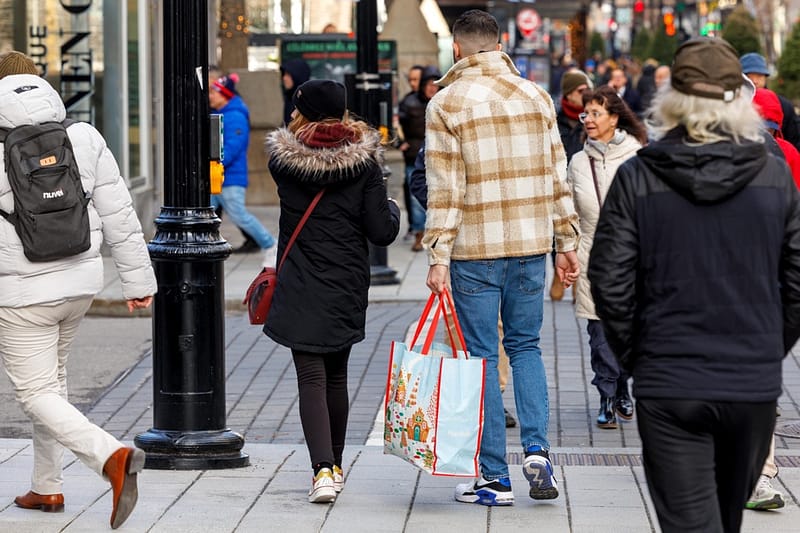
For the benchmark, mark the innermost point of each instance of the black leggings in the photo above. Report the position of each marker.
(324, 403)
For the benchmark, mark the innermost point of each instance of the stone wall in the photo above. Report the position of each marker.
(262, 92)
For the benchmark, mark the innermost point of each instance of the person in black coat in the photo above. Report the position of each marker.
(411, 114)
(319, 306)
(620, 82)
(294, 73)
(695, 273)
(573, 85)
(754, 66)
(646, 86)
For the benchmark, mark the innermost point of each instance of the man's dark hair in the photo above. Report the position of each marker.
(476, 31)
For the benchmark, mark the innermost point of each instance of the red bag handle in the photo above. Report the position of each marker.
(446, 309)
(299, 226)
(456, 324)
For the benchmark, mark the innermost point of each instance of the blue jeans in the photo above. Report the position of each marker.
(232, 201)
(416, 213)
(516, 287)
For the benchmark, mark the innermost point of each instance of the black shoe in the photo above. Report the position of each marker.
(605, 417)
(623, 404)
(249, 247)
(510, 420)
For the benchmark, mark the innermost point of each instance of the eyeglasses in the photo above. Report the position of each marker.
(594, 115)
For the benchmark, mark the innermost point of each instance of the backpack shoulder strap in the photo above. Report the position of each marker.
(67, 122)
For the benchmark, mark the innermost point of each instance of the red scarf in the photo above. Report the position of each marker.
(327, 134)
(571, 110)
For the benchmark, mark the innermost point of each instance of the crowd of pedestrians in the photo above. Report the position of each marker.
(671, 205)
(655, 240)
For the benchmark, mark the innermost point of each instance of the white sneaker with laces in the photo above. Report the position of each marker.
(322, 489)
(483, 492)
(764, 497)
(271, 256)
(538, 470)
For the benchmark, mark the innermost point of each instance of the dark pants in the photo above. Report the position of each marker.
(609, 376)
(702, 459)
(324, 403)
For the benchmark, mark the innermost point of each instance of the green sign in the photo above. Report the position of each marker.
(334, 58)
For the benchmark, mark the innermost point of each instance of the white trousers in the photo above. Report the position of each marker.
(35, 342)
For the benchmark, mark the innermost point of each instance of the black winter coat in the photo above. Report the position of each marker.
(411, 115)
(695, 270)
(320, 300)
(571, 132)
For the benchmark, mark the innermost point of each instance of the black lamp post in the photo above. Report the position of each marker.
(368, 92)
(189, 421)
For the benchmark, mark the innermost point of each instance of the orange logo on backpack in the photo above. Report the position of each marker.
(47, 161)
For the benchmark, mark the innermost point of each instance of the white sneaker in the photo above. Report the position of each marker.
(764, 497)
(338, 479)
(483, 492)
(538, 470)
(322, 488)
(271, 256)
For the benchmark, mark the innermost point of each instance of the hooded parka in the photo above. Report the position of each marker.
(28, 99)
(320, 300)
(696, 264)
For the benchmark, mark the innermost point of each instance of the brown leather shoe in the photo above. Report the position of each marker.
(49, 503)
(417, 246)
(121, 469)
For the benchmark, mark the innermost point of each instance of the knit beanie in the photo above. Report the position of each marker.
(320, 99)
(572, 80)
(16, 63)
(226, 85)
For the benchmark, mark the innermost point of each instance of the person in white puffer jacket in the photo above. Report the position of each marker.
(614, 134)
(43, 303)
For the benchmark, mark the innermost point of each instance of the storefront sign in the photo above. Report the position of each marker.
(76, 70)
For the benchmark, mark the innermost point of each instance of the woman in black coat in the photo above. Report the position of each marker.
(319, 306)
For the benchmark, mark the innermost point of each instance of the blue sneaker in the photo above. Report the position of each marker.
(538, 470)
(483, 492)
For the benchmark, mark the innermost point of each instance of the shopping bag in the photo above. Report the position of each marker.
(434, 399)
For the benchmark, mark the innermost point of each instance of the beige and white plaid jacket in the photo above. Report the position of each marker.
(495, 165)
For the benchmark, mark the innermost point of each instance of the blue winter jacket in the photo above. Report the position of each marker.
(236, 137)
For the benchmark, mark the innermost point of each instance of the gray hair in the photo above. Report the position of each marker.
(707, 120)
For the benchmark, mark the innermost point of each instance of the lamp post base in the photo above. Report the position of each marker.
(192, 450)
(382, 275)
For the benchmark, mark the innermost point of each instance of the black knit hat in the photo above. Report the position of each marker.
(320, 99)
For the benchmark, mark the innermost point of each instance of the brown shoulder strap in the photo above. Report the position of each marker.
(596, 184)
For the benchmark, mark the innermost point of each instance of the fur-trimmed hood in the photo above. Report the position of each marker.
(325, 165)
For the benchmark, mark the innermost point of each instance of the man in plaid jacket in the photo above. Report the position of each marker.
(497, 196)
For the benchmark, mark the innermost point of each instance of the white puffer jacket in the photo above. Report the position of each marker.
(579, 174)
(111, 215)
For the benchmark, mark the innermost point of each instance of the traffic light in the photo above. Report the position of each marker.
(638, 7)
(669, 24)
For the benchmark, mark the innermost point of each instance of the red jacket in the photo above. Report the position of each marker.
(792, 158)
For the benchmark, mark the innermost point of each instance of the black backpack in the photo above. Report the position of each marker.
(50, 213)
